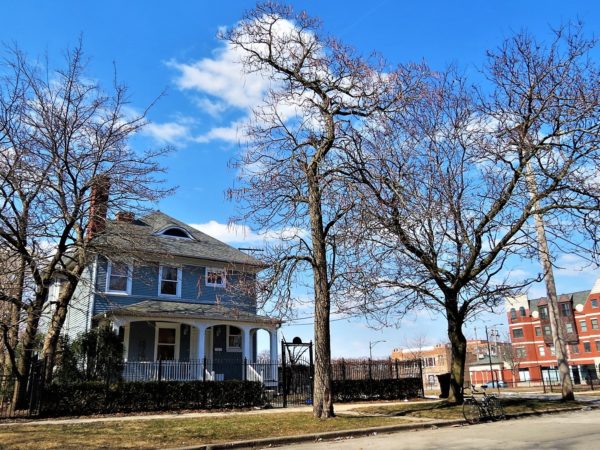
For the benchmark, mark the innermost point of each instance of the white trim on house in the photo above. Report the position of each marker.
(179, 281)
(127, 290)
(215, 270)
(169, 325)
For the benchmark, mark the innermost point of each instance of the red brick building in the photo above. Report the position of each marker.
(533, 355)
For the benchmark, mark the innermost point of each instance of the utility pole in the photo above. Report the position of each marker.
(558, 336)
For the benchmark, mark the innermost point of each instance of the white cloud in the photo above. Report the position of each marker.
(231, 133)
(234, 233)
(223, 78)
(168, 132)
(228, 233)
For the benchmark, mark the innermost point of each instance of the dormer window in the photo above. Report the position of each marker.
(175, 232)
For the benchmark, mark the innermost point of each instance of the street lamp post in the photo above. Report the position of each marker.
(373, 344)
(487, 337)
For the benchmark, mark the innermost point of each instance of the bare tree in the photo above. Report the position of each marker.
(321, 92)
(446, 205)
(63, 147)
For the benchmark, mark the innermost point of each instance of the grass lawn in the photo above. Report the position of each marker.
(441, 410)
(177, 432)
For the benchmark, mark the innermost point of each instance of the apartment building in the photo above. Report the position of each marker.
(532, 340)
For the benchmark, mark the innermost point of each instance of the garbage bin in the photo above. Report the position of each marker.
(444, 380)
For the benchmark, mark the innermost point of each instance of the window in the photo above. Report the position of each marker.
(522, 311)
(587, 347)
(518, 333)
(513, 314)
(538, 331)
(521, 352)
(569, 327)
(524, 375)
(215, 277)
(594, 303)
(598, 346)
(547, 330)
(574, 348)
(429, 362)
(234, 339)
(552, 350)
(565, 309)
(166, 341)
(118, 278)
(176, 232)
(594, 323)
(544, 312)
(169, 281)
(583, 325)
(542, 350)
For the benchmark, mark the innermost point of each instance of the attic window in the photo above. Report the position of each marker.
(176, 232)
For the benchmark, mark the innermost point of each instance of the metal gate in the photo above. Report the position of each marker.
(295, 376)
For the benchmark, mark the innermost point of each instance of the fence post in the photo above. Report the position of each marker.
(397, 375)
(245, 369)
(204, 369)
(312, 372)
(283, 373)
(543, 381)
(343, 369)
(159, 370)
(370, 374)
(421, 376)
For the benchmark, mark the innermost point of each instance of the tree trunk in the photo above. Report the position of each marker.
(28, 342)
(322, 387)
(15, 316)
(458, 345)
(56, 324)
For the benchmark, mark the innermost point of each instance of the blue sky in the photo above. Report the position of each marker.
(171, 47)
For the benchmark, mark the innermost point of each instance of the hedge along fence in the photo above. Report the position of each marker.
(391, 389)
(95, 397)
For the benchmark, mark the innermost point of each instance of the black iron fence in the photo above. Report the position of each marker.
(283, 384)
(30, 388)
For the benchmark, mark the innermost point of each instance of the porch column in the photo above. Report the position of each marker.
(247, 344)
(273, 347)
(273, 354)
(201, 338)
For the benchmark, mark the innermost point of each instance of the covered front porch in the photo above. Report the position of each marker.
(185, 341)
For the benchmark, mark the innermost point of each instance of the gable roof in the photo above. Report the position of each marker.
(142, 233)
(577, 297)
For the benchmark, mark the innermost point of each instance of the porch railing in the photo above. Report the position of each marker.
(202, 370)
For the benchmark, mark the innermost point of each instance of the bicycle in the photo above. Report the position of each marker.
(489, 407)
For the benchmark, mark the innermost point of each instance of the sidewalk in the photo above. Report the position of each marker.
(340, 407)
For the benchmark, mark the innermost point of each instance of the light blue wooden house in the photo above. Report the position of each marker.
(180, 297)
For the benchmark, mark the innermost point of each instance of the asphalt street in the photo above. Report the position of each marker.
(573, 430)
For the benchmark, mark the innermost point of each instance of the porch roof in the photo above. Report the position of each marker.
(182, 310)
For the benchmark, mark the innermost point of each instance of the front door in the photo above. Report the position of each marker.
(166, 343)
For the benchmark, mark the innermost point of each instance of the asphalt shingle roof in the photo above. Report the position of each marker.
(578, 297)
(182, 310)
(142, 233)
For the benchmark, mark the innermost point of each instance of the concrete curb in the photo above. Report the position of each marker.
(331, 435)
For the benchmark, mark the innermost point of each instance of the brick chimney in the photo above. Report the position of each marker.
(125, 216)
(98, 205)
